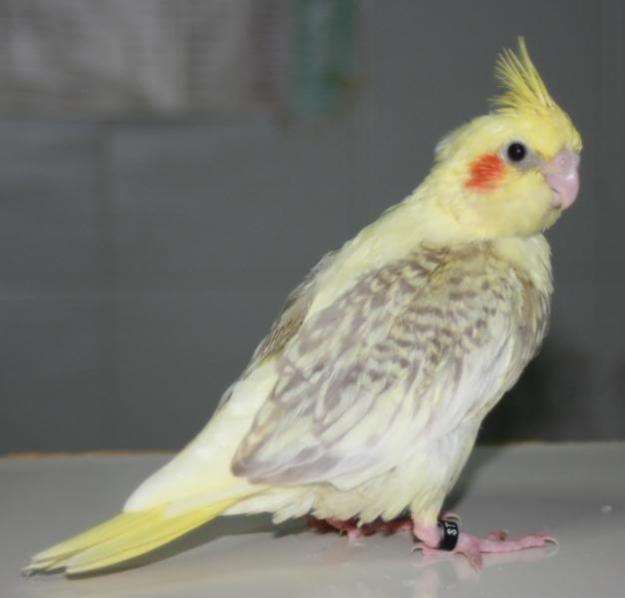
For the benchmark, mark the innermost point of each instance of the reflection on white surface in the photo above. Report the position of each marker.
(289, 561)
(562, 490)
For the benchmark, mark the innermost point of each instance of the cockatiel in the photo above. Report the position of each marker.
(364, 400)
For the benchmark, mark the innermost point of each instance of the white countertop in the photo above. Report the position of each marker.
(574, 491)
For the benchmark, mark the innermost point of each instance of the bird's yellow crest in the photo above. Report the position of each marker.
(524, 89)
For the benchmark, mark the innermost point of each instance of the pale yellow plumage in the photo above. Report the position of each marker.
(367, 395)
(123, 538)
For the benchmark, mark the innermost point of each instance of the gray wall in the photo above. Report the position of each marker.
(144, 257)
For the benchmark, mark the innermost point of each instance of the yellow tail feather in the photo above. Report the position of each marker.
(123, 538)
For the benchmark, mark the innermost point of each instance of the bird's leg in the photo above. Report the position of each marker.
(436, 539)
(348, 527)
(351, 528)
(399, 524)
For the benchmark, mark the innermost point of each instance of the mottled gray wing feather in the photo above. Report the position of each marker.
(292, 316)
(366, 375)
(288, 322)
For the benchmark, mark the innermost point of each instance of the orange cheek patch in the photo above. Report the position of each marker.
(485, 172)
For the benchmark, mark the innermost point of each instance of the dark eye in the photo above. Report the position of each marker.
(516, 152)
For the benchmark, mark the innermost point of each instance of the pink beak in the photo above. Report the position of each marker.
(561, 174)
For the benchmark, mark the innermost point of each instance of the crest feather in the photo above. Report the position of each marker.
(523, 87)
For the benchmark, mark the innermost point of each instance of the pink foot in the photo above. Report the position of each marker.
(473, 547)
(352, 530)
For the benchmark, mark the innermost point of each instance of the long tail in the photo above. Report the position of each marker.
(122, 538)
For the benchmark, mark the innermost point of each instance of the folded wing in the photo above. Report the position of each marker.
(409, 350)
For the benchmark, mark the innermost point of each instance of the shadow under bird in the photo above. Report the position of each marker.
(364, 400)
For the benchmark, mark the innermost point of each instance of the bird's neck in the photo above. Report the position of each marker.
(531, 255)
(419, 221)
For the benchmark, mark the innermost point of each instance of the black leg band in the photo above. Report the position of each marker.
(450, 533)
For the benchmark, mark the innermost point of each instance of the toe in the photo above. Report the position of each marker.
(353, 534)
(469, 547)
(536, 540)
(475, 559)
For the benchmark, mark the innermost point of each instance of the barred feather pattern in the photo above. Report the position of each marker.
(410, 352)
(293, 313)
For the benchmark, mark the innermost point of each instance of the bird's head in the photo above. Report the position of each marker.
(511, 172)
